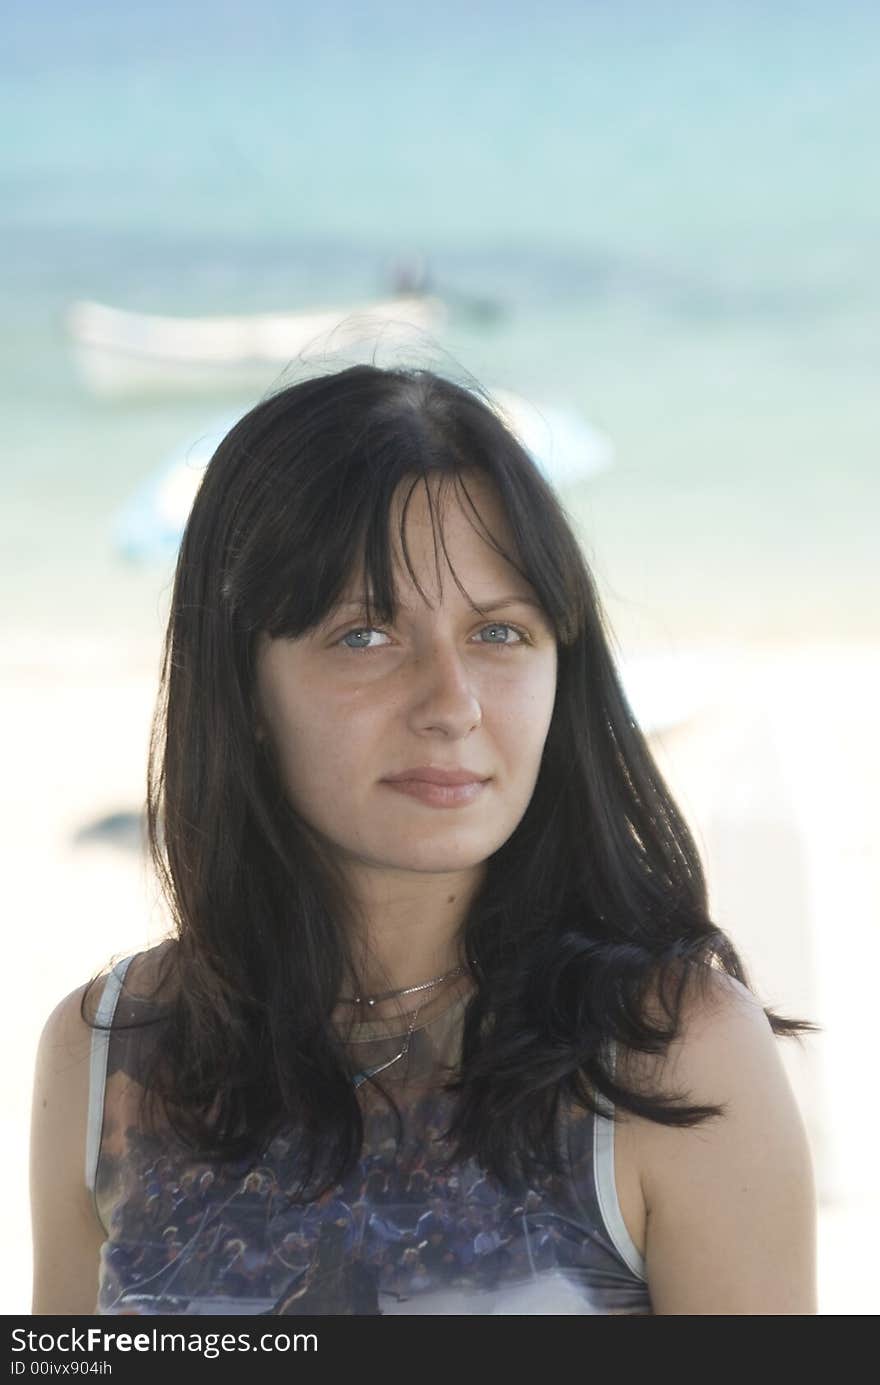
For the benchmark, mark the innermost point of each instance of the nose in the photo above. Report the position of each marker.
(444, 696)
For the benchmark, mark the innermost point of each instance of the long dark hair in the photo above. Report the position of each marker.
(596, 901)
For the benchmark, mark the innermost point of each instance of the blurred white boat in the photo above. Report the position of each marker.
(120, 352)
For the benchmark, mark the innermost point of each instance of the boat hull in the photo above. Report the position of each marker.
(123, 353)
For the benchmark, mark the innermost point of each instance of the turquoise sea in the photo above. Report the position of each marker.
(676, 207)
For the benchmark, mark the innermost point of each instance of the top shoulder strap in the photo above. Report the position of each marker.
(606, 1185)
(100, 1049)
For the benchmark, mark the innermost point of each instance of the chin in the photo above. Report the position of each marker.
(430, 858)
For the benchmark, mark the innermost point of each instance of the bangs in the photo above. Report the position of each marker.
(376, 587)
(328, 530)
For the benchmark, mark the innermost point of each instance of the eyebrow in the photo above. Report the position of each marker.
(495, 605)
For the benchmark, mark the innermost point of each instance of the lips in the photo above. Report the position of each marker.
(438, 795)
(428, 774)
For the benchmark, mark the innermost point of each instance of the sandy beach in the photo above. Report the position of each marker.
(776, 770)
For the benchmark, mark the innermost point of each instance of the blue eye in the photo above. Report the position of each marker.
(502, 625)
(362, 630)
(496, 625)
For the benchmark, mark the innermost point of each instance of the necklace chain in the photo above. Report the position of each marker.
(366, 1073)
(372, 1000)
(362, 1076)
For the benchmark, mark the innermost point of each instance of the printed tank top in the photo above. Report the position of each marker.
(403, 1233)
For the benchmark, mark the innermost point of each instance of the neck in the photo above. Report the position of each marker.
(410, 931)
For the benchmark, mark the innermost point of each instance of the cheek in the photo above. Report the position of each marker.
(321, 748)
(524, 707)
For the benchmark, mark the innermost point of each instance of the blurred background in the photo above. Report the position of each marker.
(652, 229)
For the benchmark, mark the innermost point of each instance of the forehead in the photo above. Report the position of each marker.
(439, 534)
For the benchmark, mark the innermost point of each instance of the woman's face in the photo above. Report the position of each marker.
(346, 706)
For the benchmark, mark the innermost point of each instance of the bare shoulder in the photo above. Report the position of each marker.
(67, 1234)
(712, 1015)
(727, 1048)
(730, 1202)
(715, 1021)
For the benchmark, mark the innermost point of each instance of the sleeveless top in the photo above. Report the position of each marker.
(402, 1233)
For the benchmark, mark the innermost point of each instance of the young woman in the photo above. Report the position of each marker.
(444, 1025)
